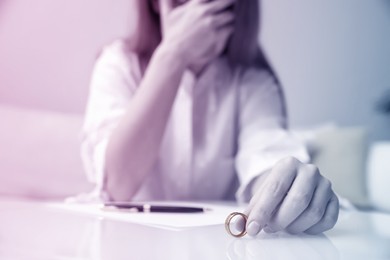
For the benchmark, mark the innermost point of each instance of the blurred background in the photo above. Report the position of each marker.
(332, 57)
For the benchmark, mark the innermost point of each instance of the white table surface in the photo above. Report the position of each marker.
(32, 230)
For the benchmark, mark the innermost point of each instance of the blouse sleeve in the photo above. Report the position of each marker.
(113, 83)
(263, 137)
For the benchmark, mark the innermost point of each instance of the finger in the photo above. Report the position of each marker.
(239, 224)
(218, 6)
(297, 199)
(199, 1)
(166, 6)
(272, 193)
(260, 187)
(257, 188)
(223, 19)
(328, 220)
(316, 209)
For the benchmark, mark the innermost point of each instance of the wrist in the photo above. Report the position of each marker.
(167, 50)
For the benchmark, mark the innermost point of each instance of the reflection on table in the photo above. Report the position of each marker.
(31, 230)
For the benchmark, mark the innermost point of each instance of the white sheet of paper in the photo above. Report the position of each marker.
(173, 221)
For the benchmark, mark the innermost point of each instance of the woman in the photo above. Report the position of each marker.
(187, 108)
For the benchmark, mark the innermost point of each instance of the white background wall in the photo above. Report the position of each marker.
(333, 56)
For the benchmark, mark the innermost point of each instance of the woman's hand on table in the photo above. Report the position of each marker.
(293, 197)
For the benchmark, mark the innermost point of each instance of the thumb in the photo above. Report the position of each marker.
(166, 6)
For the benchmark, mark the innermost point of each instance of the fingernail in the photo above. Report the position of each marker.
(253, 228)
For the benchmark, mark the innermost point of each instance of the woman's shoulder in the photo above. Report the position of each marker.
(117, 55)
(117, 50)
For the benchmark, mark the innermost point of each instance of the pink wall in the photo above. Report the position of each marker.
(47, 49)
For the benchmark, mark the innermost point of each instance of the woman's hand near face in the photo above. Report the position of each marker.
(198, 30)
(194, 34)
(293, 197)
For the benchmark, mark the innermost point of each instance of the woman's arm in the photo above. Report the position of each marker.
(193, 33)
(134, 145)
(286, 194)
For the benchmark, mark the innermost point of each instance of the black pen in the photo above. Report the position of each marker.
(134, 207)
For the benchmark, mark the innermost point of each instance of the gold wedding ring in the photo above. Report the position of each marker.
(229, 219)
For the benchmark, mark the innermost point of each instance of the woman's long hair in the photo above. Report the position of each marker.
(243, 48)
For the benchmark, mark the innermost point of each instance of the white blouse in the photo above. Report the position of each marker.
(225, 129)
